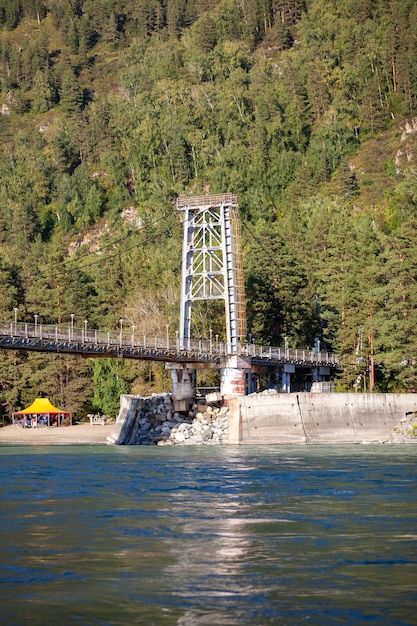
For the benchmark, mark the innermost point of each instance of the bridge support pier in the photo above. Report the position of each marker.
(183, 386)
(288, 369)
(233, 377)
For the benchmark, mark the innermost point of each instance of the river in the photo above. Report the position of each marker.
(208, 536)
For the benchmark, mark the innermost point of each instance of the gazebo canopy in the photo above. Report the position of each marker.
(41, 406)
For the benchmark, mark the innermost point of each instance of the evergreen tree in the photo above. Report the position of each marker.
(275, 288)
(397, 320)
(9, 291)
(43, 95)
(70, 93)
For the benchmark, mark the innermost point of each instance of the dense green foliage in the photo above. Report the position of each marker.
(110, 109)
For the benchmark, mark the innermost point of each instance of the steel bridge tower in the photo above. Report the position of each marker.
(212, 263)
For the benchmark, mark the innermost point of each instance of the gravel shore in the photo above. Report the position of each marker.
(79, 434)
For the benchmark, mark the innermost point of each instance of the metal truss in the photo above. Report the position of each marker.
(211, 267)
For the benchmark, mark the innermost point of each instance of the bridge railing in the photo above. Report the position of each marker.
(85, 335)
(125, 341)
(294, 355)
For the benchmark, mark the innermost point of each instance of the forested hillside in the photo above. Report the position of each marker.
(306, 109)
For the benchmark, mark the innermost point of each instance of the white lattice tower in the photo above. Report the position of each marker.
(211, 263)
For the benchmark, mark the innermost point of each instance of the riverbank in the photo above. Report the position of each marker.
(79, 434)
(267, 418)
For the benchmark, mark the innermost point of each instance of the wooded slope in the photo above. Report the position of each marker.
(305, 109)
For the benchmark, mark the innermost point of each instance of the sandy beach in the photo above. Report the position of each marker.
(79, 434)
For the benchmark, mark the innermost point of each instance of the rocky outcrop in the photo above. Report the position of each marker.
(152, 421)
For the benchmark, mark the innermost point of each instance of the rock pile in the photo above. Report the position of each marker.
(157, 423)
(407, 431)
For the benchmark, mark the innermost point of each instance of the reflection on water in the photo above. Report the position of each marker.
(208, 536)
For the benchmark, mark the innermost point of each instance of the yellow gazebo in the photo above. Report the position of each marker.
(40, 410)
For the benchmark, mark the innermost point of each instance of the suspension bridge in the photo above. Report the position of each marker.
(212, 269)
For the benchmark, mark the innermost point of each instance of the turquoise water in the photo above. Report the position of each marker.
(208, 536)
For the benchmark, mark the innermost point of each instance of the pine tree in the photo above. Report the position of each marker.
(9, 291)
(275, 286)
(43, 95)
(111, 33)
(71, 97)
(398, 318)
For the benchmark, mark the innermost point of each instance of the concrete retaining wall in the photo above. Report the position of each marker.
(126, 423)
(317, 418)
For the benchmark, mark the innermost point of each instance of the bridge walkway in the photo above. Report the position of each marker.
(94, 343)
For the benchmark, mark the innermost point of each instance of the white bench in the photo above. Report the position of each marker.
(97, 419)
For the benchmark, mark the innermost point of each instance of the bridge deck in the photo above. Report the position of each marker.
(98, 343)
